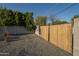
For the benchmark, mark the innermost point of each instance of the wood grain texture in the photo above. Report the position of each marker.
(44, 32)
(60, 36)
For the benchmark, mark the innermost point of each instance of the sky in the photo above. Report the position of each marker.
(44, 9)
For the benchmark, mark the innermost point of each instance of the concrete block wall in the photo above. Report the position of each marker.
(12, 30)
(76, 37)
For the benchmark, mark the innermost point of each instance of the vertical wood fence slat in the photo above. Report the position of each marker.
(53, 34)
(60, 36)
(44, 32)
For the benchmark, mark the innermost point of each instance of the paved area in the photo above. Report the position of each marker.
(29, 45)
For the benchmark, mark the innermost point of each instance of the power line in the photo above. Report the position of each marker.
(63, 10)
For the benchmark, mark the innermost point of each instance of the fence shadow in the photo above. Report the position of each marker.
(16, 37)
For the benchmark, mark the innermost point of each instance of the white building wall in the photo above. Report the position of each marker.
(37, 30)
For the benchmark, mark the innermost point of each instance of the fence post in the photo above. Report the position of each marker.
(48, 32)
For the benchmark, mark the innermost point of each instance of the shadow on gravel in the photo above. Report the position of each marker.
(59, 52)
(16, 37)
(45, 49)
(32, 45)
(19, 34)
(23, 52)
(1, 39)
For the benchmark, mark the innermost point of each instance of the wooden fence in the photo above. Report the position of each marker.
(59, 35)
(44, 32)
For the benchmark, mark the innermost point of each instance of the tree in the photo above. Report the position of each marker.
(74, 17)
(55, 20)
(29, 21)
(41, 20)
(6, 17)
(9, 18)
(52, 19)
(59, 22)
(19, 18)
(1, 17)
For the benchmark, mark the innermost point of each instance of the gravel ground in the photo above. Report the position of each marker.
(30, 45)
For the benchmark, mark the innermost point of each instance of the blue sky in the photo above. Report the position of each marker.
(45, 9)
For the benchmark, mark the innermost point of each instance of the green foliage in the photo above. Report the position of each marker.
(29, 23)
(17, 18)
(74, 17)
(41, 20)
(59, 22)
(9, 18)
(2, 17)
(6, 17)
